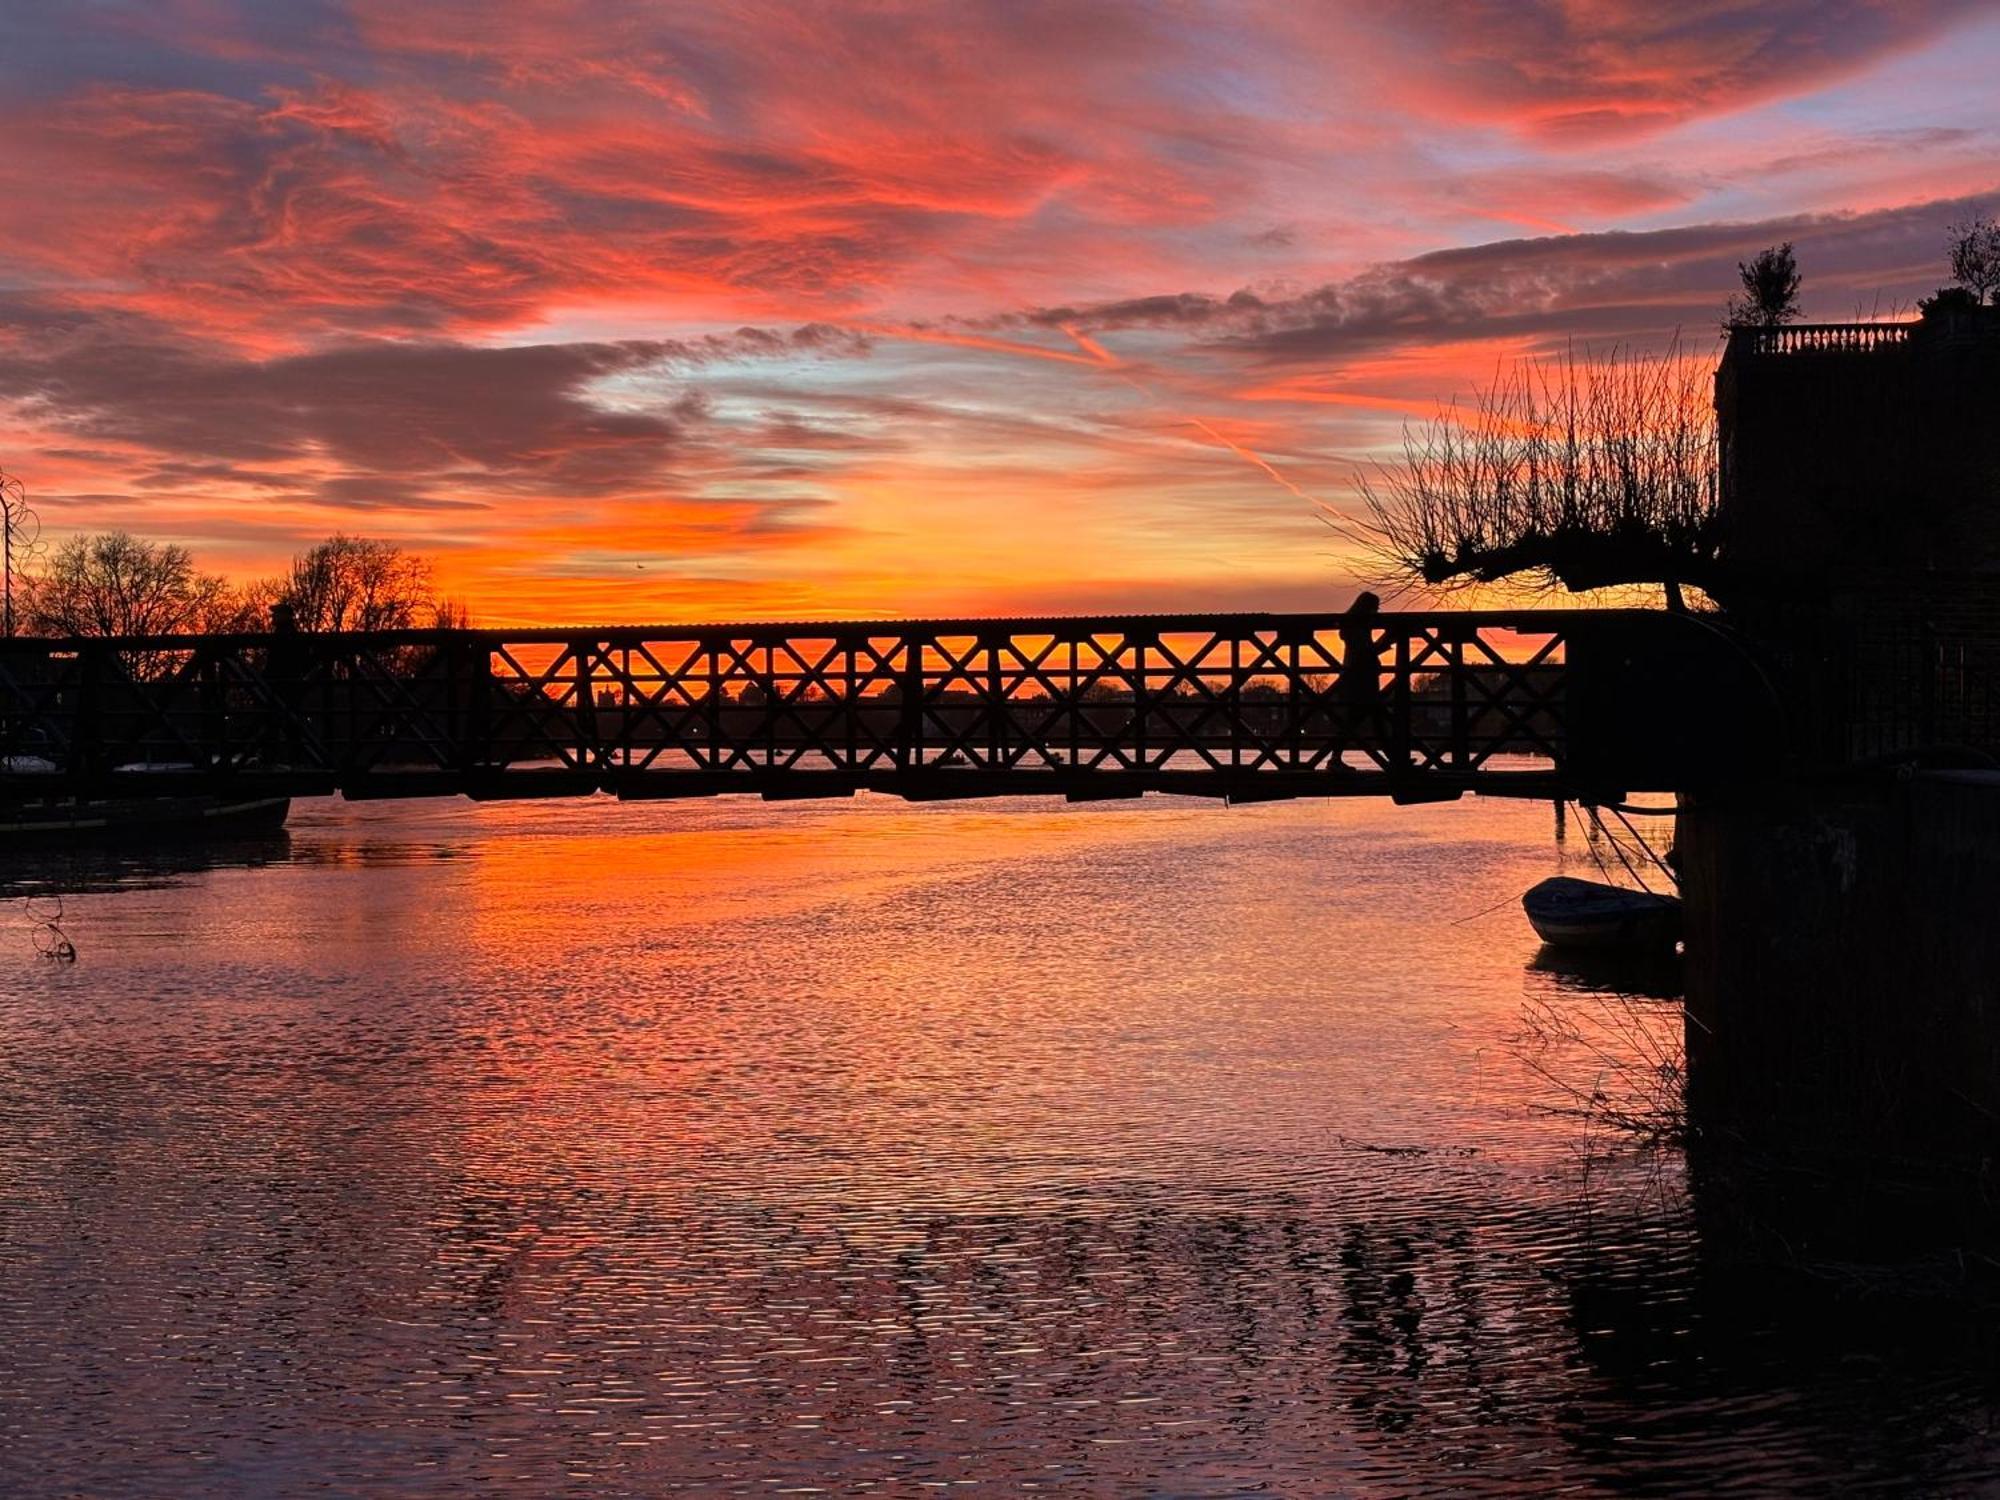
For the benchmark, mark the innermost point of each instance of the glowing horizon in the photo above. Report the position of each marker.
(650, 312)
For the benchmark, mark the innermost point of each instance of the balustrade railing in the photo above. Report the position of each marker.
(1819, 338)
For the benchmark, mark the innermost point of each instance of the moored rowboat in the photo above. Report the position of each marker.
(1570, 913)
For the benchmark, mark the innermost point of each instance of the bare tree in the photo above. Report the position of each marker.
(20, 544)
(114, 583)
(1975, 257)
(1580, 473)
(1770, 294)
(356, 583)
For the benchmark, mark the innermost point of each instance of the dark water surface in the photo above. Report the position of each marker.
(1153, 1148)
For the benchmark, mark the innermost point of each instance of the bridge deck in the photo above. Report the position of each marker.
(1416, 706)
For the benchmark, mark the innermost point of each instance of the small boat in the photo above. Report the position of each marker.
(54, 820)
(1570, 913)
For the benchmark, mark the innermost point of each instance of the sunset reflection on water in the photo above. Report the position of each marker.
(717, 1147)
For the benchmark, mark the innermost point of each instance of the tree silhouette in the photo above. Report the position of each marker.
(1770, 294)
(1948, 299)
(115, 583)
(1584, 473)
(1975, 257)
(358, 583)
(20, 545)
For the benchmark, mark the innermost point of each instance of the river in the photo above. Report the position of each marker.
(724, 1148)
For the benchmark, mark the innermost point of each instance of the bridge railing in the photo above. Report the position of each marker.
(1240, 705)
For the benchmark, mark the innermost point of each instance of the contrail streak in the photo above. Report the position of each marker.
(1110, 362)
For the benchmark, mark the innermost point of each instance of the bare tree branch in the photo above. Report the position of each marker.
(1576, 473)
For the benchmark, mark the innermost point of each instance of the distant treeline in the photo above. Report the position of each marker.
(114, 583)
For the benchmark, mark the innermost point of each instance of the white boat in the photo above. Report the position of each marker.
(1570, 913)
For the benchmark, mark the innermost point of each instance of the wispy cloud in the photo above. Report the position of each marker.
(636, 309)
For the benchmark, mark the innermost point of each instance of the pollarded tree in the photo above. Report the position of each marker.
(1770, 295)
(1575, 473)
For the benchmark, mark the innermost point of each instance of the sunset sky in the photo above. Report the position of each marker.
(673, 311)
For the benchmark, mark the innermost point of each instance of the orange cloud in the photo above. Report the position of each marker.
(632, 310)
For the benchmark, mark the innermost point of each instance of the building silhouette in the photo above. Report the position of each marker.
(1861, 505)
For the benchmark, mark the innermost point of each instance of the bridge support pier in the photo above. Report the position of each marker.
(1843, 1006)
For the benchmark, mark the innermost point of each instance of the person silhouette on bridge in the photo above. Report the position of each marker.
(1359, 688)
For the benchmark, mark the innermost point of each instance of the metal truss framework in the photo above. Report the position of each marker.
(1416, 706)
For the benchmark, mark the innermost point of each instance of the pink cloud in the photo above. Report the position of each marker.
(527, 281)
(1571, 71)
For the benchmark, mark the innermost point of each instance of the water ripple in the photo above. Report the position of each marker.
(637, 1151)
